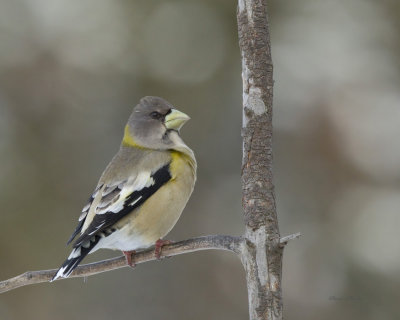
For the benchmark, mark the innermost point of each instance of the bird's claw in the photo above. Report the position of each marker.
(158, 247)
(128, 256)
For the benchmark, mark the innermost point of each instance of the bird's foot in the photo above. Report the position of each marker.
(158, 247)
(128, 256)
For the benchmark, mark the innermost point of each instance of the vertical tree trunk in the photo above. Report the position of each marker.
(262, 253)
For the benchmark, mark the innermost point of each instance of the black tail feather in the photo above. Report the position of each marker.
(76, 256)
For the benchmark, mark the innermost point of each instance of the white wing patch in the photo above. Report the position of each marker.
(134, 201)
(114, 201)
(142, 180)
(97, 228)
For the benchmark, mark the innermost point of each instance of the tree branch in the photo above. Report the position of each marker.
(219, 242)
(216, 242)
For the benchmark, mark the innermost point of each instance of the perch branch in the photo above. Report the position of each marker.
(219, 242)
(216, 242)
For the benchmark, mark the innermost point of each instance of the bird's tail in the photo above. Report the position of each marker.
(76, 256)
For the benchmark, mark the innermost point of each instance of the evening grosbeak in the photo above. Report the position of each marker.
(142, 191)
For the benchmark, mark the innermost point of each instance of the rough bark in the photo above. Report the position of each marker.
(262, 254)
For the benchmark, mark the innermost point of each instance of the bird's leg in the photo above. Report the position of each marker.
(128, 256)
(158, 247)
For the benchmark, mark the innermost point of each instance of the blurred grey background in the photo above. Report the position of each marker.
(70, 73)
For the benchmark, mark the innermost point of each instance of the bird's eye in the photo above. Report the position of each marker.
(155, 115)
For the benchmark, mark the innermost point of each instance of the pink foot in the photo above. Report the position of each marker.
(158, 247)
(128, 256)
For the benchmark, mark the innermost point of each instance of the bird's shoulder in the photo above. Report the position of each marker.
(129, 162)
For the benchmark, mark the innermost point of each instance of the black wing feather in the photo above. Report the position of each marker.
(77, 230)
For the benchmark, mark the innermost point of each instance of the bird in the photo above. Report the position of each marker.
(143, 190)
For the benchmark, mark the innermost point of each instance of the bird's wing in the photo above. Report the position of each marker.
(116, 200)
(84, 214)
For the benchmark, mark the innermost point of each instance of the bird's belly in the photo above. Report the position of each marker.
(121, 240)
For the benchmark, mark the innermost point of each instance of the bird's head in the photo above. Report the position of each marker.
(154, 124)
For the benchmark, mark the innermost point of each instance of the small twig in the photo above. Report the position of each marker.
(219, 242)
(286, 239)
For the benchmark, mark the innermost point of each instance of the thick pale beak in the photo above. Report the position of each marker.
(175, 119)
